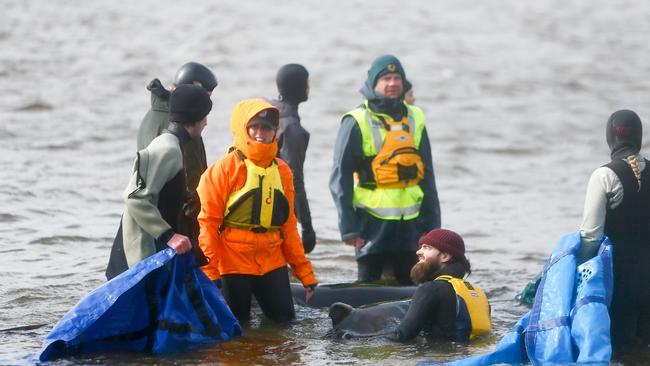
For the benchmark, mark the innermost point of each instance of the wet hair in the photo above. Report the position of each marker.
(466, 265)
(633, 162)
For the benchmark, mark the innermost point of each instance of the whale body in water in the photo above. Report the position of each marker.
(353, 294)
(366, 321)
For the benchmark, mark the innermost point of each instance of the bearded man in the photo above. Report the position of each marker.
(444, 305)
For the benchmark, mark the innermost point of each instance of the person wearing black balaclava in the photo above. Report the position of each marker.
(617, 205)
(293, 87)
(384, 222)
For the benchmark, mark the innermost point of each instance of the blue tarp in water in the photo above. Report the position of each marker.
(163, 304)
(569, 320)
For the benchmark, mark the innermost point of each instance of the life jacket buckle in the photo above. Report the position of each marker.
(259, 230)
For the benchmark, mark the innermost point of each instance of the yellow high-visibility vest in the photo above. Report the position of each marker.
(473, 299)
(392, 201)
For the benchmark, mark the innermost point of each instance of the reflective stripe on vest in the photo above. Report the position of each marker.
(260, 204)
(373, 133)
(387, 203)
(475, 301)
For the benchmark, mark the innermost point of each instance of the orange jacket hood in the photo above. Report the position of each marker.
(260, 154)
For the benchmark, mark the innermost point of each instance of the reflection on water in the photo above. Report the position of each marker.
(516, 95)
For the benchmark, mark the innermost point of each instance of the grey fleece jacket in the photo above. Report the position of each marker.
(142, 222)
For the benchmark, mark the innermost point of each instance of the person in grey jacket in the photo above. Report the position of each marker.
(293, 88)
(378, 240)
(156, 121)
(158, 191)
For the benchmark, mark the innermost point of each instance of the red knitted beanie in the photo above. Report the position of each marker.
(445, 241)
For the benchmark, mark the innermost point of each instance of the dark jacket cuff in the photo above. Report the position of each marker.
(164, 237)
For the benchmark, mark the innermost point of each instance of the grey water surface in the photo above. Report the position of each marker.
(516, 95)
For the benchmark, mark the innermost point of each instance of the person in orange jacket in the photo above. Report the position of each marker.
(247, 220)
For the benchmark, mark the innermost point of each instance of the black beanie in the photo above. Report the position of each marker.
(292, 83)
(188, 104)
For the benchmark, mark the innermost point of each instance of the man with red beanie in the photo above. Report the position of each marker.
(444, 305)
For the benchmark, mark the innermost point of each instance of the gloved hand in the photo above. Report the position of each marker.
(308, 237)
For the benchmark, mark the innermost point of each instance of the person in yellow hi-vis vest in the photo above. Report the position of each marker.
(444, 305)
(382, 179)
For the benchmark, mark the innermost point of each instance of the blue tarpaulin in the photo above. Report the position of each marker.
(163, 304)
(569, 320)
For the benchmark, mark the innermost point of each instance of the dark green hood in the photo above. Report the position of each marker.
(381, 104)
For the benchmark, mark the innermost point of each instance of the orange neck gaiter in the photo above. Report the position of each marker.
(261, 155)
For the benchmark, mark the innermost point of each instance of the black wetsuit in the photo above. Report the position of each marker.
(272, 292)
(433, 309)
(628, 226)
(293, 141)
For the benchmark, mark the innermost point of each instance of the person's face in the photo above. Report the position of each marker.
(409, 98)
(196, 129)
(390, 85)
(261, 132)
(308, 89)
(430, 252)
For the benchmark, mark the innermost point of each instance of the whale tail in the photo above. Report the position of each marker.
(338, 312)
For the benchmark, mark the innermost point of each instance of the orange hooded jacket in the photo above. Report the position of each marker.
(241, 251)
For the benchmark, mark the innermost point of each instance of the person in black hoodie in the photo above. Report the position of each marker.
(384, 221)
(293, 88)
(617, 205)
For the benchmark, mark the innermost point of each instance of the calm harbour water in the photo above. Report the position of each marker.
(516, 96)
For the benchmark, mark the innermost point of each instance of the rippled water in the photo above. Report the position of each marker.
(516, 96)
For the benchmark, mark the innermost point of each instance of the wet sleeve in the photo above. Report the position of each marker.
(292, 248)
(213, 189)
(348, 155)
(420, 312)
(293, 152)
(603, 190)
(152, 170)
(430, 210)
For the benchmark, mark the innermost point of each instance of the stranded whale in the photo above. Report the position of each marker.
(353, 294)
(367, 321)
